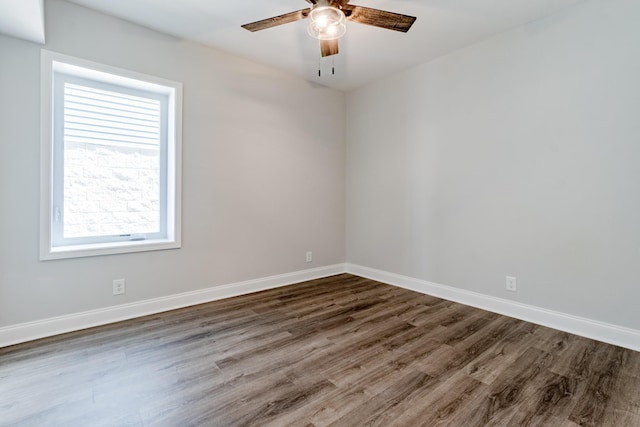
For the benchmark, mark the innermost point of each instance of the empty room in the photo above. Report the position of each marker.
(319, 213)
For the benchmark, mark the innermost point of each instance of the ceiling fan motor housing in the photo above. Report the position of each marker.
(328, 3)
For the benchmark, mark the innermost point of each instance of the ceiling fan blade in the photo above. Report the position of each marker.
(379, 18)
(277, 20)
(328, 47)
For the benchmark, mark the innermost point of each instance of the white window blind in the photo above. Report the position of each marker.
(110, 118)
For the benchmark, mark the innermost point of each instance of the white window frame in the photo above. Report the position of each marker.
(50, 246)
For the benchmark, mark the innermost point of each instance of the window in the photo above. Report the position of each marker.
(110, 160)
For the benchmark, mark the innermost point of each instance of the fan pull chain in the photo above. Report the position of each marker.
(333, 66)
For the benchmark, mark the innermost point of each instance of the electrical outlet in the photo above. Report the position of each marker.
(512, 283)
(119, 286)
(309, 256)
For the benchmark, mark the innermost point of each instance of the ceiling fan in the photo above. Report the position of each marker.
(328, 21)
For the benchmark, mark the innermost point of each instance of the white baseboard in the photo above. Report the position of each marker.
(612, 334)
(605, 332)
(23, 332)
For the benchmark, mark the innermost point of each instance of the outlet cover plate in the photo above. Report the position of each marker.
(119, 286)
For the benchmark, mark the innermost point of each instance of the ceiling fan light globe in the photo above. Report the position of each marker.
(327, 23)
(322, 21)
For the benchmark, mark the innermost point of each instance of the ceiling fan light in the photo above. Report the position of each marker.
(327, 23)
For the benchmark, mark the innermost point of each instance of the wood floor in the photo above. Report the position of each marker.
(340, 351)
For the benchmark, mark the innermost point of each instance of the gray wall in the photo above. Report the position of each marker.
(263, 178)
(517, 156)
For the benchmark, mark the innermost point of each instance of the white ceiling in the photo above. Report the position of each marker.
(366, 53)
(23, 19)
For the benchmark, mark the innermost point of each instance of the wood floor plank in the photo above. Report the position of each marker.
(497, 358)
(441, 405)
(374, 411)
(329, 408)
(550, 404)
(341, 351)
(504, 396)
(594, 402)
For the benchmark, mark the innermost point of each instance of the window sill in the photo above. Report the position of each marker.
(80, 251)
